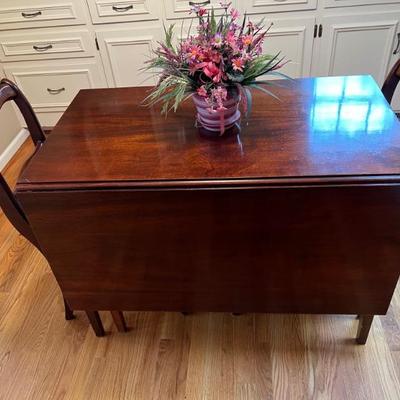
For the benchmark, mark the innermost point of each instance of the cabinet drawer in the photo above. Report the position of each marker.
(350, 3)
(181, 8)
(16, 14)
(103, 11)
(266, 6)
(52, 86)
(48, 119)
(40, 45)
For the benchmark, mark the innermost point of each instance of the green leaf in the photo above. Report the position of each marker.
(213, 22)
(235, 78)
(169, 33)
(262, 89)
(249, 101)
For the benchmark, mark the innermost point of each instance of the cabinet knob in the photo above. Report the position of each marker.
(122, 8)
(31, 15)
(56, 91)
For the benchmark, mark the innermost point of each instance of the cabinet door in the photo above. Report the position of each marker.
(293, 38)
(350, 3)
(124, 53)
(270, 6)
(357, 44)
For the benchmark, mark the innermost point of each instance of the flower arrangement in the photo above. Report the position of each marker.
(223, 60)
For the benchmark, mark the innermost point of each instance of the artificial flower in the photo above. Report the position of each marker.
(201, 91)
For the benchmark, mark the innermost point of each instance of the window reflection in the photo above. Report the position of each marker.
(349, 106)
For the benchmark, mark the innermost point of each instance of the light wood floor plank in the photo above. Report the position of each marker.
(164, 356)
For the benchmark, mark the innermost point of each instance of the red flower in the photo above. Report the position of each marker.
(213, 72)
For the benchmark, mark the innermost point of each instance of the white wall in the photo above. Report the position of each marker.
(11, 136)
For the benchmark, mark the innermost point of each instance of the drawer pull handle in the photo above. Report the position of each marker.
(122, 9)
(200, 4)
(31, 15)
(43, 48)
(55, 91)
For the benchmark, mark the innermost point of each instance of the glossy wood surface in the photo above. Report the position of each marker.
(335, 127)
(299, 213)
(166, 356)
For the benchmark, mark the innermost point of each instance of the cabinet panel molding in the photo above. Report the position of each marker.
(272, 6)
(352, 3)
(293, 37)
(52, 44)
(105, 11)
(358, 44)
(52, 87)
(15, 14)
(124, 53)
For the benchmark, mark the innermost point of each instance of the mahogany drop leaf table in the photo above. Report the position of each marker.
(299, 212)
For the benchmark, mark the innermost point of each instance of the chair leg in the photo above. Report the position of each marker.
(69, 313)
(119, 321)
(364, 326)
(96, 323)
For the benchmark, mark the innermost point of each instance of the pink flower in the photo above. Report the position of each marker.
(247, 40)
(219, 95)
(201, 91)
(202, 12)
(238, 64)
(217, 41)
(211, 70)
(196, 53)
(230, 39)
(234, 13)
(215, 57)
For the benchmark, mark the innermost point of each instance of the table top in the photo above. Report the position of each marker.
(322, 129)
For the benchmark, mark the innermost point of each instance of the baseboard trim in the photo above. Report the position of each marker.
(13, 147)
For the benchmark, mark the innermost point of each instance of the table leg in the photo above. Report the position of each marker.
(69, 313)
(119, 321)
(96, 323)
(364, 326)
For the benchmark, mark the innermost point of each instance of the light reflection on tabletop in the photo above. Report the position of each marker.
(348, 106)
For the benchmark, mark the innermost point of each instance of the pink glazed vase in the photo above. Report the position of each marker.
(217, 122)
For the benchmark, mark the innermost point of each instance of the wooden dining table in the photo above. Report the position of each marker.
(296, 211)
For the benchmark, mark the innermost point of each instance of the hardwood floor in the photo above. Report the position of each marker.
(171, 356)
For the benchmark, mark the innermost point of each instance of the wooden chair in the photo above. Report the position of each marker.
(391, 82)
(11, 208)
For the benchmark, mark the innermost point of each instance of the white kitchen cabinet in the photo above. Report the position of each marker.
(293, 38)
(106, 11)
(273, 6)
(353, 3)
(51, 86)
(124, 52)
(181, 8)
(357, 44)
(17, 14)
(47, 43)
(50, 44)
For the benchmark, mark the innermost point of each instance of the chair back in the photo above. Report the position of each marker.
(391, 82)
(8, 202)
